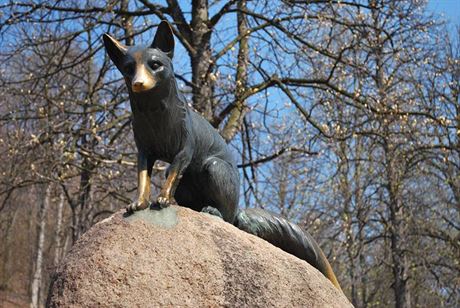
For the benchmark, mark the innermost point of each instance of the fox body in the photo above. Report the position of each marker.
(202, 174)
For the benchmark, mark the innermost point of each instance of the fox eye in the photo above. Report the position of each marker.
(154, 65)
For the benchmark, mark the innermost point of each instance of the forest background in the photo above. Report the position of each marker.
(344, 116)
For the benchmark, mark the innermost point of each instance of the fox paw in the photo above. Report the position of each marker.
(137, 206)
(212, 211)
(163, 202)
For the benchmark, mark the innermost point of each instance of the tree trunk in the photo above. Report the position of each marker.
(397, 229)
(399, 258)
(81, 209)
(37, 279)
(58, 250)
(127, 22)
(7, 250)
(393, 177)
(202, 60)
(239, 110)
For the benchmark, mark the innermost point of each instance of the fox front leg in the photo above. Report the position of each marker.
(177, 168)
(144, 173)
(167, 192)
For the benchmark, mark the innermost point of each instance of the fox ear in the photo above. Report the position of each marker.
(115, 49)
(164, 39)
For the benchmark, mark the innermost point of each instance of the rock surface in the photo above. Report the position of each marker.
(178, 257)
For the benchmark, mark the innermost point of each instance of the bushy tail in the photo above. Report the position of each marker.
(286, 236)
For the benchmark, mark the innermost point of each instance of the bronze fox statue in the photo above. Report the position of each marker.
(202, 174)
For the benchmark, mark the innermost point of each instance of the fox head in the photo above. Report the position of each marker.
(144, 67)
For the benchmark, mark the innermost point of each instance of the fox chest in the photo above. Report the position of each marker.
(157, 137)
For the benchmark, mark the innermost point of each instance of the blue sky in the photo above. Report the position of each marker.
(449, 9)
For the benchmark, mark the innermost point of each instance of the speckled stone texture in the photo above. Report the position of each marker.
(178, 257)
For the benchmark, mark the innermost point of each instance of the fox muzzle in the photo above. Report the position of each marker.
(143, 80)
